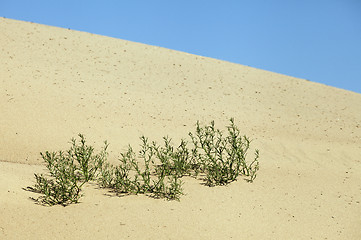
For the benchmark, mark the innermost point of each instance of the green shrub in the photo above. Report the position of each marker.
(173, 161)
(64, 186)
(88, 163)
(130, 177)
(223, 158)
(68, 172)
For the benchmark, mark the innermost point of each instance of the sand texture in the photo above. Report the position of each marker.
(56, 83)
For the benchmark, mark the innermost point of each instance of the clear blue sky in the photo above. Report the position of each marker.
(318, 40)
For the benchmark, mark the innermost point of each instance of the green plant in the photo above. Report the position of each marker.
(175, 189)
(173, 161)
(64, 186)
(87, 162)
(106, 178)
(68, 172)
(223, 158)
(131, 177)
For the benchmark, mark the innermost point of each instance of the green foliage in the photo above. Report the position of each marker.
(132, 177)
(173, 161)
(88, 163)
(223, 158)
(64, 187)
(68, 172)
(156, 170)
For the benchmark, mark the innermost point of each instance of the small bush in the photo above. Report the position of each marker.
(64, 187)
(173, 161)
(88, 163)
(130, 177)
(68, 172)
(223, 158)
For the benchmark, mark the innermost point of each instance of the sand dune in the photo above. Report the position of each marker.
(56, 83)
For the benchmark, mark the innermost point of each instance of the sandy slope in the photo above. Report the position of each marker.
(55, 83)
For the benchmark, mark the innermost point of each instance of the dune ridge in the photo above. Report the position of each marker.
(56, 83)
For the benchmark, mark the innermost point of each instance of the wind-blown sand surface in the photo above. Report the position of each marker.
(56, 83)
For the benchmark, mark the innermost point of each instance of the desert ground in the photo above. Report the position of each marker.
(56, 83)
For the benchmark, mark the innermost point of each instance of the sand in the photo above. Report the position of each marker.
(56, 83)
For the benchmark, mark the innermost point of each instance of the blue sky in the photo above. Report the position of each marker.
(318, 40)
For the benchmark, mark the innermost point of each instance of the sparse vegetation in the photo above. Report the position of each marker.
(223, 158)
(130, 178)
(156, 170)
(68, 173)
